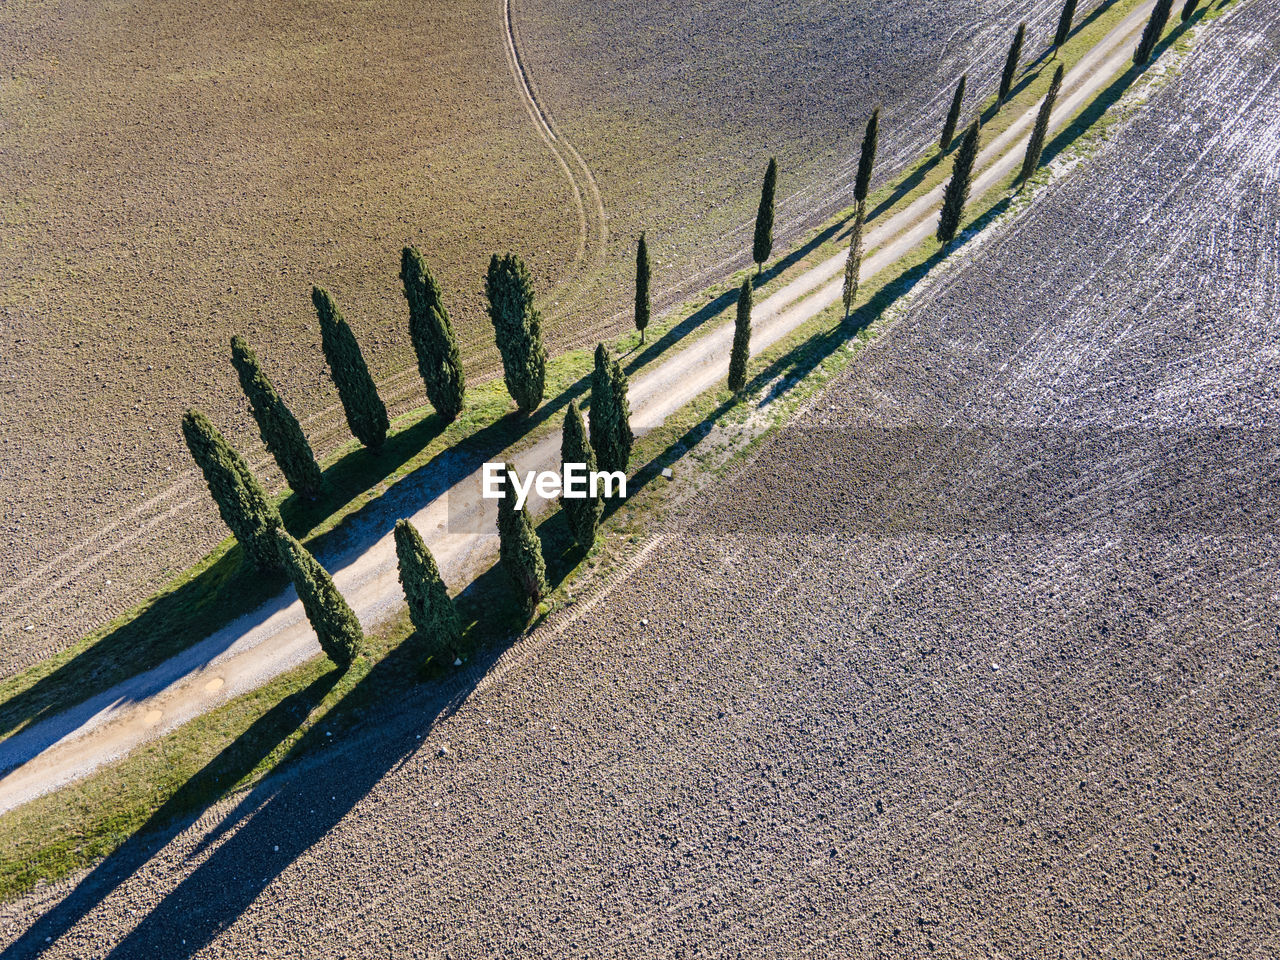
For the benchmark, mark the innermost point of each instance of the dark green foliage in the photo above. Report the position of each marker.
(279, 428)
(517, 325)
(853, 265)
(242, 503)
(583, 514)
(439, 362)
(763, 245)
(644, 305)
(366, 415)
(1151, 35)
(741, 351)
(333, 620)
(953, 116)
(867, 159)
(430, 608)
(1011, 65)
(611, 436)
(1188, 9)
(520, 550)
(1035, 146)
(957, 192)
(1065, 21)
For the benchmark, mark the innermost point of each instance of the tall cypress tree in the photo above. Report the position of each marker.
(611, 435)
(582, 513)
(644, 304)
(1011, 65)
(953, 116)
(957, 192)
(517, 325)
(242, 503)
(333, 620)
(763, 245)
(1151, 35)
(853, 265)
(279, 428)
(1188, 9)
(520, 550)
(430, 609)
(366, 414)
(1035, 146)
(439, 362)
(867, 159)
(1065, 21)
(741, 351)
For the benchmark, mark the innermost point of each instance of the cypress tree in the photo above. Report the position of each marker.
(644, 305)
(366, 415)
(517, 325)
(957, 192)
(867, 159)
(1035, 146)
(1011, 65)
(741, 351)
(333, 620)
(953, 116)
(242, 503)
(853, 265)
(280, 430)
(583, 514)
(611, 436)
(519, 549)
(430, 608)
(763, 245)
(1065, 21)
(1188, 9)
(439, 362)
(1151, 35)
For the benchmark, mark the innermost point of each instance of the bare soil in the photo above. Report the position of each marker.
(181, 172)
(1005, 685)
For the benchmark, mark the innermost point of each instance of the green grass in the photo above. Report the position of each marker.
(238, 743)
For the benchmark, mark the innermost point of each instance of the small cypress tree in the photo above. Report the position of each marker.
(611, 435)
(853, 265)
(517, 325)
(520, 550)
(957, 192)
(953, 116)
(763, 245)
(1035, 146)
(644, 305)
(1065, 20)
(1011, 65)
(1154, 30)
(333, 620)
(366, 414)
(582, 513)
(430, 609)
(242, 503)
(280, 430)
(1188, 9)
(439, 361)
(867, 159)
(741, 351)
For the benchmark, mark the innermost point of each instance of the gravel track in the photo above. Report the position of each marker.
(458, 525)
(1028, 708)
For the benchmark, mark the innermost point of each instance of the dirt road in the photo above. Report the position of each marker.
(269, 641)
(997, 677)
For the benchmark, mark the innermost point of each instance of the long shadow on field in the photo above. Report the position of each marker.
(221, 773)
(213, 598)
